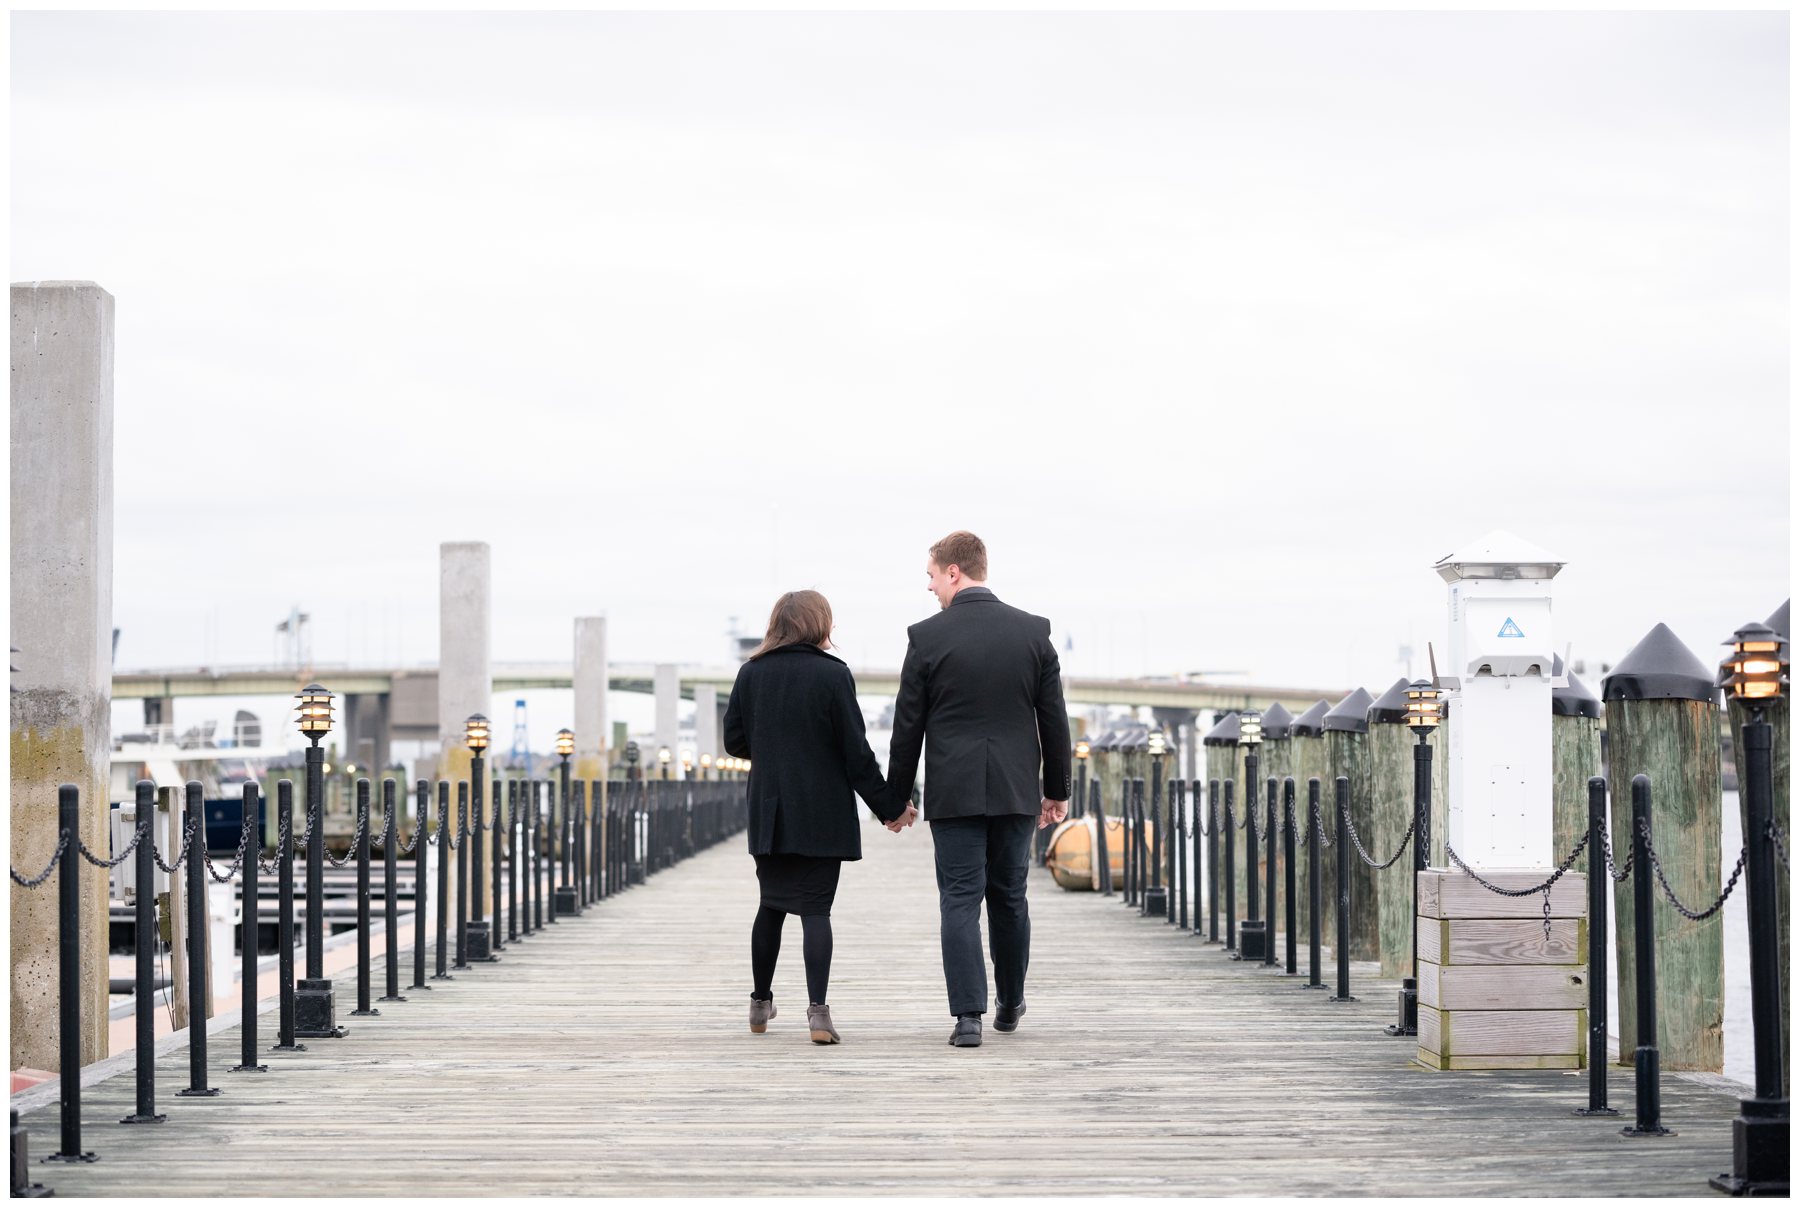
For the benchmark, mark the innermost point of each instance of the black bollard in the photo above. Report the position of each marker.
(1178, 851)
(477, 941)
(512, 859)
(1156, 897)
(197, 923)
(550, 823)
(421, 880)
(443, 884)
(1599, 882)
(1212, 861)
(22, 1186)
(1230, 825)
(365, 940)
(1648, 1058)
(1293, 937)
(315, 1001)
(497, 942)
(1269, 829)
(68, 979)
(144, 871)
(1253, 935)
(1105, 857)
(534, 818)
(1314, 904)
(252, 908)
(284, 929)
(1343, 879)
(1759, 1132)
(462, 875)
(390, 886)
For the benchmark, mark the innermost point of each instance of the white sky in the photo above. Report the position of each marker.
(1219, 328)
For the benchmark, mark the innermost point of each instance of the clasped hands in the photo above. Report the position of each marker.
(907, 817)
(1049, 813)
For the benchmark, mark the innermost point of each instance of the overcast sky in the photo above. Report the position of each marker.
(1220, 329)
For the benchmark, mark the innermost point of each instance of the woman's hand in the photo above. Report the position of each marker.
(907, 817)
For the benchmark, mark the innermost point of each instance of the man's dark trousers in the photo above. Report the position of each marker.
(984, 858)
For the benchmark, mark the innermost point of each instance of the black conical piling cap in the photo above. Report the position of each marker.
(1778, 620)
(1224, 734)
(1660, 668)
(1390, 707)
(1311, 723)
(1575, 700)
(1350, 715)
(1278, 723)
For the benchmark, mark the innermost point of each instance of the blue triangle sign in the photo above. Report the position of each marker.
(1511, 629)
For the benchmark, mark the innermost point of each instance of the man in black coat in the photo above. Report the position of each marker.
(981, 692)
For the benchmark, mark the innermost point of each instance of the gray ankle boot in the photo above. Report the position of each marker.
(818, 1018)
(762, 1010)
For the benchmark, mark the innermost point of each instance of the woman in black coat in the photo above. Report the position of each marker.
(793, 714)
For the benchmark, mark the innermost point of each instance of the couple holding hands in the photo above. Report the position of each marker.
(981, 694)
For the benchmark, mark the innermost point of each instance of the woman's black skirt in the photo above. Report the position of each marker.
(798, 884)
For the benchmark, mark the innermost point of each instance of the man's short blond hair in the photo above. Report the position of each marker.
(965, 551)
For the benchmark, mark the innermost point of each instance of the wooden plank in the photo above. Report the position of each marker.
(1454, 895)
(1516, 1033)
(1437, 1061)
(1505, 942)
(1502, 987)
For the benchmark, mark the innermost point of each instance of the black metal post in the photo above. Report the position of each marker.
(365, 939)
(1198, 858)
(144, 873)
(478, 941)
(1230, 870)
(534, 906)
(462, 875)
(1212, 861)
(1269, 870)
(315, 1003)
(1156, 897)
(1253, 938)
(1648, 1057)
(194, 817)
(390, 886)
(565, 893)
(284, 928)
(1287, 855)
(1105, 857)
(581, 842)
(496, 940)
(1178, 850)
(421, 881)
(1343, 879)
(252, 908)
(445, 837)
(1134, 834)
(1759, 1132)
(1599, 882)
(549, 862)
(1408, 1022)
(1314, 904)
(68, 976)
(512, 859)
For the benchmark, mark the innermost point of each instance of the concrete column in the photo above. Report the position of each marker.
(465, 673)
(668, 700)
(591, 737)
(706, 722)
(62, 541)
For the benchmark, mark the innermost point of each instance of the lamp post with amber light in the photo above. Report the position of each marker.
(565, 893)
(1253, 934)
(1424, 710)
(663, 758)
(1758, 668)
(1156, 898)
(706, 766)
(1082, 751)
(315, 1006)
(478, 939)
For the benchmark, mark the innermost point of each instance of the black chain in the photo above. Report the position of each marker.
(1617, 873)
(407, 848)
(62, 845)
(444, 828)
(137, 835)
(1362, 851)
(187, 841)
(1542, 887)
(362, 825)
(1780, 842)
(283, 837)
(243, 844)
(1669, 890)
(1325, 840)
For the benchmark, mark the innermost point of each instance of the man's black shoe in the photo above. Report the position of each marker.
(968, 1032)
(1006, 1019)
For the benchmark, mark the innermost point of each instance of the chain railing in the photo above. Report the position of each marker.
(1668, 890)
(62, 845)
(1356, 841)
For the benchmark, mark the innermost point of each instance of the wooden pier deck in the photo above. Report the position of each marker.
(609, 1056)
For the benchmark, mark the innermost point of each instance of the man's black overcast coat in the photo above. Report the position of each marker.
(981, 690)
(793, 714)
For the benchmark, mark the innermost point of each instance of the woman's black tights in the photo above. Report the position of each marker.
(765, 946)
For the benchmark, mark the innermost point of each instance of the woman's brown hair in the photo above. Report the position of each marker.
(798, 616)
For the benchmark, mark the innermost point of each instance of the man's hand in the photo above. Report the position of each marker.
(906, 819)
(1052, 812)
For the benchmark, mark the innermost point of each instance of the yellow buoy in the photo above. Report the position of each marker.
(1070, 857)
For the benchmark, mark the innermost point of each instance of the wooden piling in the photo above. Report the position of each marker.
(1347, 754)
(1776, 714)
(1663, 716)
(1306, 756)
(1574, 760)
(1221, 747)
(1277, 761)
(1391, 810)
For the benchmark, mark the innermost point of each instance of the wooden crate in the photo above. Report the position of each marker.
(1494, 991)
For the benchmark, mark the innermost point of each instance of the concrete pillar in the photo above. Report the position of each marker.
(465, 673)
(668, 699)
(591, 737)
(706, 722)
(62, 540)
